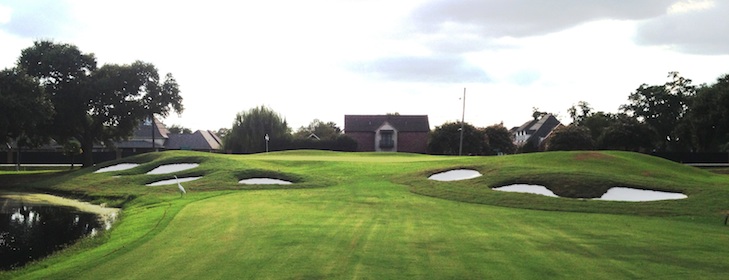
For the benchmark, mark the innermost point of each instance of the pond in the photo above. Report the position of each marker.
(263, 181)
(31, 228)
(169, 168)
(612, 194)
(455, 175)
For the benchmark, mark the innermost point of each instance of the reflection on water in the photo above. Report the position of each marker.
(31, 232)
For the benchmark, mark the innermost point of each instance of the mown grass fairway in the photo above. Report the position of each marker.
(376, 216)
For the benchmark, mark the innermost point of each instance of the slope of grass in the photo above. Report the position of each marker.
(377, 216)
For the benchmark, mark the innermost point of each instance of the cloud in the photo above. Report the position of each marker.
(522, 18)
(36, 19)
(438, 69)
(698, 29)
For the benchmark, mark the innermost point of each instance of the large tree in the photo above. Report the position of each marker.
(25, 109)
(322, 130)
(708, 116)
(662, 107)
(568, 138)
(446, 140)
(625, 133)
(252, 130)
(500, 139)
(97, 105)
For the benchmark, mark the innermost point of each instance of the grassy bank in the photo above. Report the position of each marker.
(360, 215)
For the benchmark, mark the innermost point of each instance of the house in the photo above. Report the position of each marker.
(201, 140)
(141, 140)
(388, 133)
(149, 131)
(535, 131)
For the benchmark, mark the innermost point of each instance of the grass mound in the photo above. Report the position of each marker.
(579, 175)
(377, 216)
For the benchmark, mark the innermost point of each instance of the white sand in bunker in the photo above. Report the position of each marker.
(612, 194)
(455, 175)
(170, 168)
(263, 181)
(173, 181)
(118, 167)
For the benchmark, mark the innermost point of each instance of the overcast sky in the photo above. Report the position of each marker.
(325, 58)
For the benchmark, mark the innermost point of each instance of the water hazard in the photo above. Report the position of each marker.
(31, 230)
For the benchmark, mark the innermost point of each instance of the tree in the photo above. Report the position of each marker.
(322, 130)
(250, 128)
(97, 105)
(662, 107)
(25, 111)
(445, 140)
(579, 112)
(569, 138)
(708, 116)
(625, 133)
(222, 132)
(500, 139)
(178, 129)
(597, 122)
(25, 108)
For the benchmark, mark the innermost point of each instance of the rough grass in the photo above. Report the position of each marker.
(361, 215)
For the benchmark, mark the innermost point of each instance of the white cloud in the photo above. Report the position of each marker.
(696, 27)
(324, 59)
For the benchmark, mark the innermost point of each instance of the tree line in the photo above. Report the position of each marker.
(676, 116)
(56, 91)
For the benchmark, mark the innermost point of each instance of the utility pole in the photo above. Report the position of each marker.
(463, 118)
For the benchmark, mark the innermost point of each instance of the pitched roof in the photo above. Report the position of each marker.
(144, 130)
(200, 140)
(370, 123)
(540, 127)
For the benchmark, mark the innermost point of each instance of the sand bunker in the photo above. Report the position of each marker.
(118, 167)
(455, 175)
(613, 194)
(263, 181)
(175, 167)
(629, 194)
(172, 181)
(523, 188)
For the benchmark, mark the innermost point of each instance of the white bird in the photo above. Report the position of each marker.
(179, 186)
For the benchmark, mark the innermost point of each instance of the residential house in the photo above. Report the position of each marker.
(141, 140)
(201, 140)
(388, 133)
(535, 131)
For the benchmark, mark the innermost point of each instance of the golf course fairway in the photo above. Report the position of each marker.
(377, 216)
